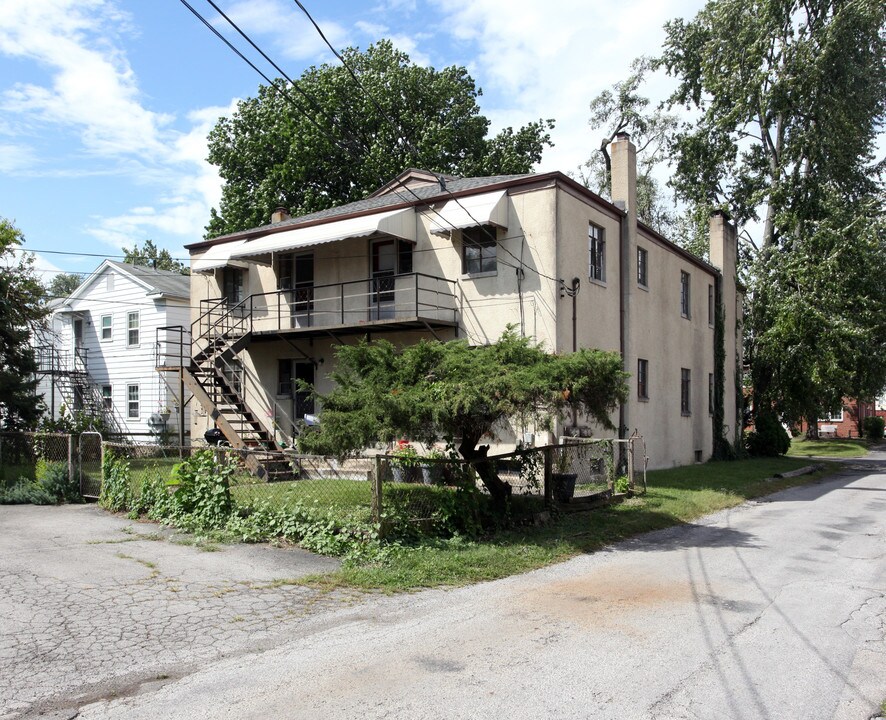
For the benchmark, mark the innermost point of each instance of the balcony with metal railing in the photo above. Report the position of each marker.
(396, 302)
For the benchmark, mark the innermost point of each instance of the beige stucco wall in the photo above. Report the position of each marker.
(670, 342)
(547, 230)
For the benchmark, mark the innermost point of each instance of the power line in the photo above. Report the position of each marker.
(405, 139)
(521, 264)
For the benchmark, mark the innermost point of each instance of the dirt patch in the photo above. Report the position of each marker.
(606, 597)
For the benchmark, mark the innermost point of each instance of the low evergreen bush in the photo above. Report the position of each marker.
(768, 439)
(873, 427)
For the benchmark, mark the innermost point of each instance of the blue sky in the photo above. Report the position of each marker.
(105, 105)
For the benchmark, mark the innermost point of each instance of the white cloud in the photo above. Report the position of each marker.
(93, 87)
(184, 210)
(15, 158)
(292, 35)
(550, 59)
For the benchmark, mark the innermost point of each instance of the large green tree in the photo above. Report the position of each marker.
(21, 314)
(151, 256)
(451, 391)
(787, 99)
(63, 285)
(623, 108)
(327, 140)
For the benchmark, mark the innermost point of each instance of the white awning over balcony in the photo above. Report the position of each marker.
(485, 209)
(218, 256)
(398, 223)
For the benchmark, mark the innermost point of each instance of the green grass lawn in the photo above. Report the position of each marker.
(675, 496)
(828, 447)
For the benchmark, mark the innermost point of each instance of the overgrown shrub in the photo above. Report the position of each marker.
(768, 439)
(25, 492)
(202, 499)
(116, 492)
(51, 485)
(58, 483)
(873, 427)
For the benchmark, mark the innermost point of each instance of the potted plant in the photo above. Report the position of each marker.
(432, 472)
(562, 477)
(405, 463)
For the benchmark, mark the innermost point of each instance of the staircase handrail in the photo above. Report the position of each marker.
(278, 409)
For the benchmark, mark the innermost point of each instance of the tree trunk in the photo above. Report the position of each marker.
(812, 428)
(499, 490)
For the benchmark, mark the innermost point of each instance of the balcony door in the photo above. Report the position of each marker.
(295, 277)
(384, 268)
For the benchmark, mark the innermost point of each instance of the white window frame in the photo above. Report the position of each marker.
(108, 400)
(596, 254)
(129, 402)
(137, 315)
(484, 239)
(109, 328)
(829, 418)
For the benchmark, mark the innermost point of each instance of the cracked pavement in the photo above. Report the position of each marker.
(775, 609)
(94, 605)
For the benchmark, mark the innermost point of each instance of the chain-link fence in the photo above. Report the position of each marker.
(20, 453)
(430, 492)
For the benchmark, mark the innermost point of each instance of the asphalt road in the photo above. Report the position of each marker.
(775, 609)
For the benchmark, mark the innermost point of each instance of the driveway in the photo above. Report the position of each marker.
(94, 606)
(772, 610)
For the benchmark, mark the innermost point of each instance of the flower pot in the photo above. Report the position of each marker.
(432, 474)
(563, 486)
(405, 474)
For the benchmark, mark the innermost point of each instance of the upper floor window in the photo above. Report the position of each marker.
(479, 249)
(107, 325)
(596, 253)
(642, 267)
(642, 379)
(685, 380)
(684, 294)
(711, 305)
(132, 328)
(232, 285)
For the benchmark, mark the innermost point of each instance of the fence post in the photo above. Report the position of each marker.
(71, 459)
(630, 445)
(377, 489)
(549, 490)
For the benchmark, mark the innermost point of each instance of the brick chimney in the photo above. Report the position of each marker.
(279, 215)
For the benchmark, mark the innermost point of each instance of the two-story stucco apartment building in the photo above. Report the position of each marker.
(432, 257)
(100, 352)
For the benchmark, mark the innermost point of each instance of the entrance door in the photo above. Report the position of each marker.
(384, 268)
(79, 351)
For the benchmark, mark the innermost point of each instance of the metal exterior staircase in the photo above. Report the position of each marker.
(215, 377)
(70, 376)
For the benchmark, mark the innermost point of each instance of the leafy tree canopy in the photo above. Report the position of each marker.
(622, 108)
(451, 391)
(326, 140)
(63, 285)
(790, 97)
(21, 313)
(151, 256)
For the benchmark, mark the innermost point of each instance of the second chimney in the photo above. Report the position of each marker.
(279, 215)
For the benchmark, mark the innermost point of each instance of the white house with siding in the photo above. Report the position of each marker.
(101, 354)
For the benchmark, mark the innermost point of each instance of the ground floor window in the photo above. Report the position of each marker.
(107, 397)
(133, 406)
(685, 380)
